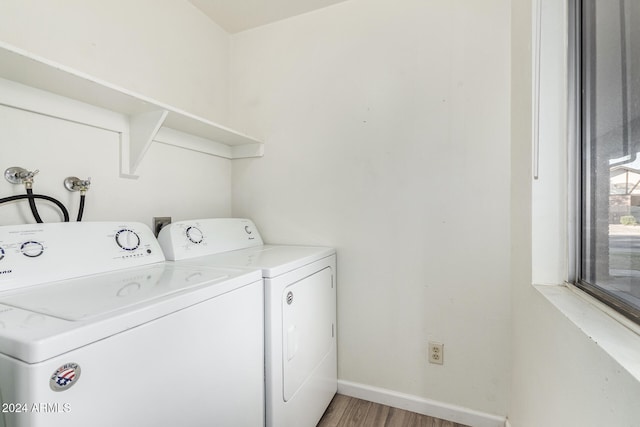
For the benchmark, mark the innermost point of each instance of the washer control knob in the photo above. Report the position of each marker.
(32, 249)
(1, 253)
(128, 239)
(195, 235)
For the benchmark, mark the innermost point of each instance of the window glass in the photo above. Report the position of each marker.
(610, 117)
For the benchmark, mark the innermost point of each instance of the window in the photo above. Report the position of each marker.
(608, 40)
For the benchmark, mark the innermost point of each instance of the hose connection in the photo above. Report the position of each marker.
(73, 183)
(18, 175)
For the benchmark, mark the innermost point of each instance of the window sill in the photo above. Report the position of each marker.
(617, 336)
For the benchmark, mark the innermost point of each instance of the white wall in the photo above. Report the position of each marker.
(560, 375)
(387, 136)
(166, 50)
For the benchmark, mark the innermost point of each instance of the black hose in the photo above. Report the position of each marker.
(32, 205)
(81, 208)
(31, 196)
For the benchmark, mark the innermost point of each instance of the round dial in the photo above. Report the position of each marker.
(127, 239)
(1, 253)
(32, 249)
(195, 235)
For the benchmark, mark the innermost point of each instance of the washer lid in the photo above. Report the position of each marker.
(98, 295)
(273, 260)
(44, 321)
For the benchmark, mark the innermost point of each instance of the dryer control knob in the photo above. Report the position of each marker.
(195, 235)
(32, 249)
(128, 239)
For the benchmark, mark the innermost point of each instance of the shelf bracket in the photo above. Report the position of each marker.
(143, 128)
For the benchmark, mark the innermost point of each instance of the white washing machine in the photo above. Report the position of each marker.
(300, 310)
(96, 329)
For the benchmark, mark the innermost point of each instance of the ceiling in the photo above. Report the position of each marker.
(239, 15)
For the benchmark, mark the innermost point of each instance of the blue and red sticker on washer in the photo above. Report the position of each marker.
(65, 377)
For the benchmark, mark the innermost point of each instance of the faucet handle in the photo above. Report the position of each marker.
(73, 183)
(18, 175)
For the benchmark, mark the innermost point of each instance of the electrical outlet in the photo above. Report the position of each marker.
(159, 222)
(436, 353)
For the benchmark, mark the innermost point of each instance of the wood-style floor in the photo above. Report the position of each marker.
(345, 411)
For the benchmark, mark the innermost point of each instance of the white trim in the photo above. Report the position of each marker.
(549, 226)
(195, 143)
(603, 325)
(192, 142)
(420, 405)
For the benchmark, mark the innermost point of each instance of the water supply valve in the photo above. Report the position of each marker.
(73, 183)
(18, 175)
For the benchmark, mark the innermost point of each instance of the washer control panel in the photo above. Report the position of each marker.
(31, 254)
(200, 237)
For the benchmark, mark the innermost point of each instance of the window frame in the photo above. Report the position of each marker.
(578, 133)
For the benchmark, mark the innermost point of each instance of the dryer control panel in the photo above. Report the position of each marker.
(31, 254)
(200, 237)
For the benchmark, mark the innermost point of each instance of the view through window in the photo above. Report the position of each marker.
(609, 38)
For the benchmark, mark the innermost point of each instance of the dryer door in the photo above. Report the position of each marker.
(308, 310)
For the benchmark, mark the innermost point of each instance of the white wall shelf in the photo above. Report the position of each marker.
(146, 121)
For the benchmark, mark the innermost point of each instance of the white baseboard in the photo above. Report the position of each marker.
(420, 405)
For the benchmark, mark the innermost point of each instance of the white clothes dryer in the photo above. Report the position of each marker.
(96, 329)
(300, 309)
